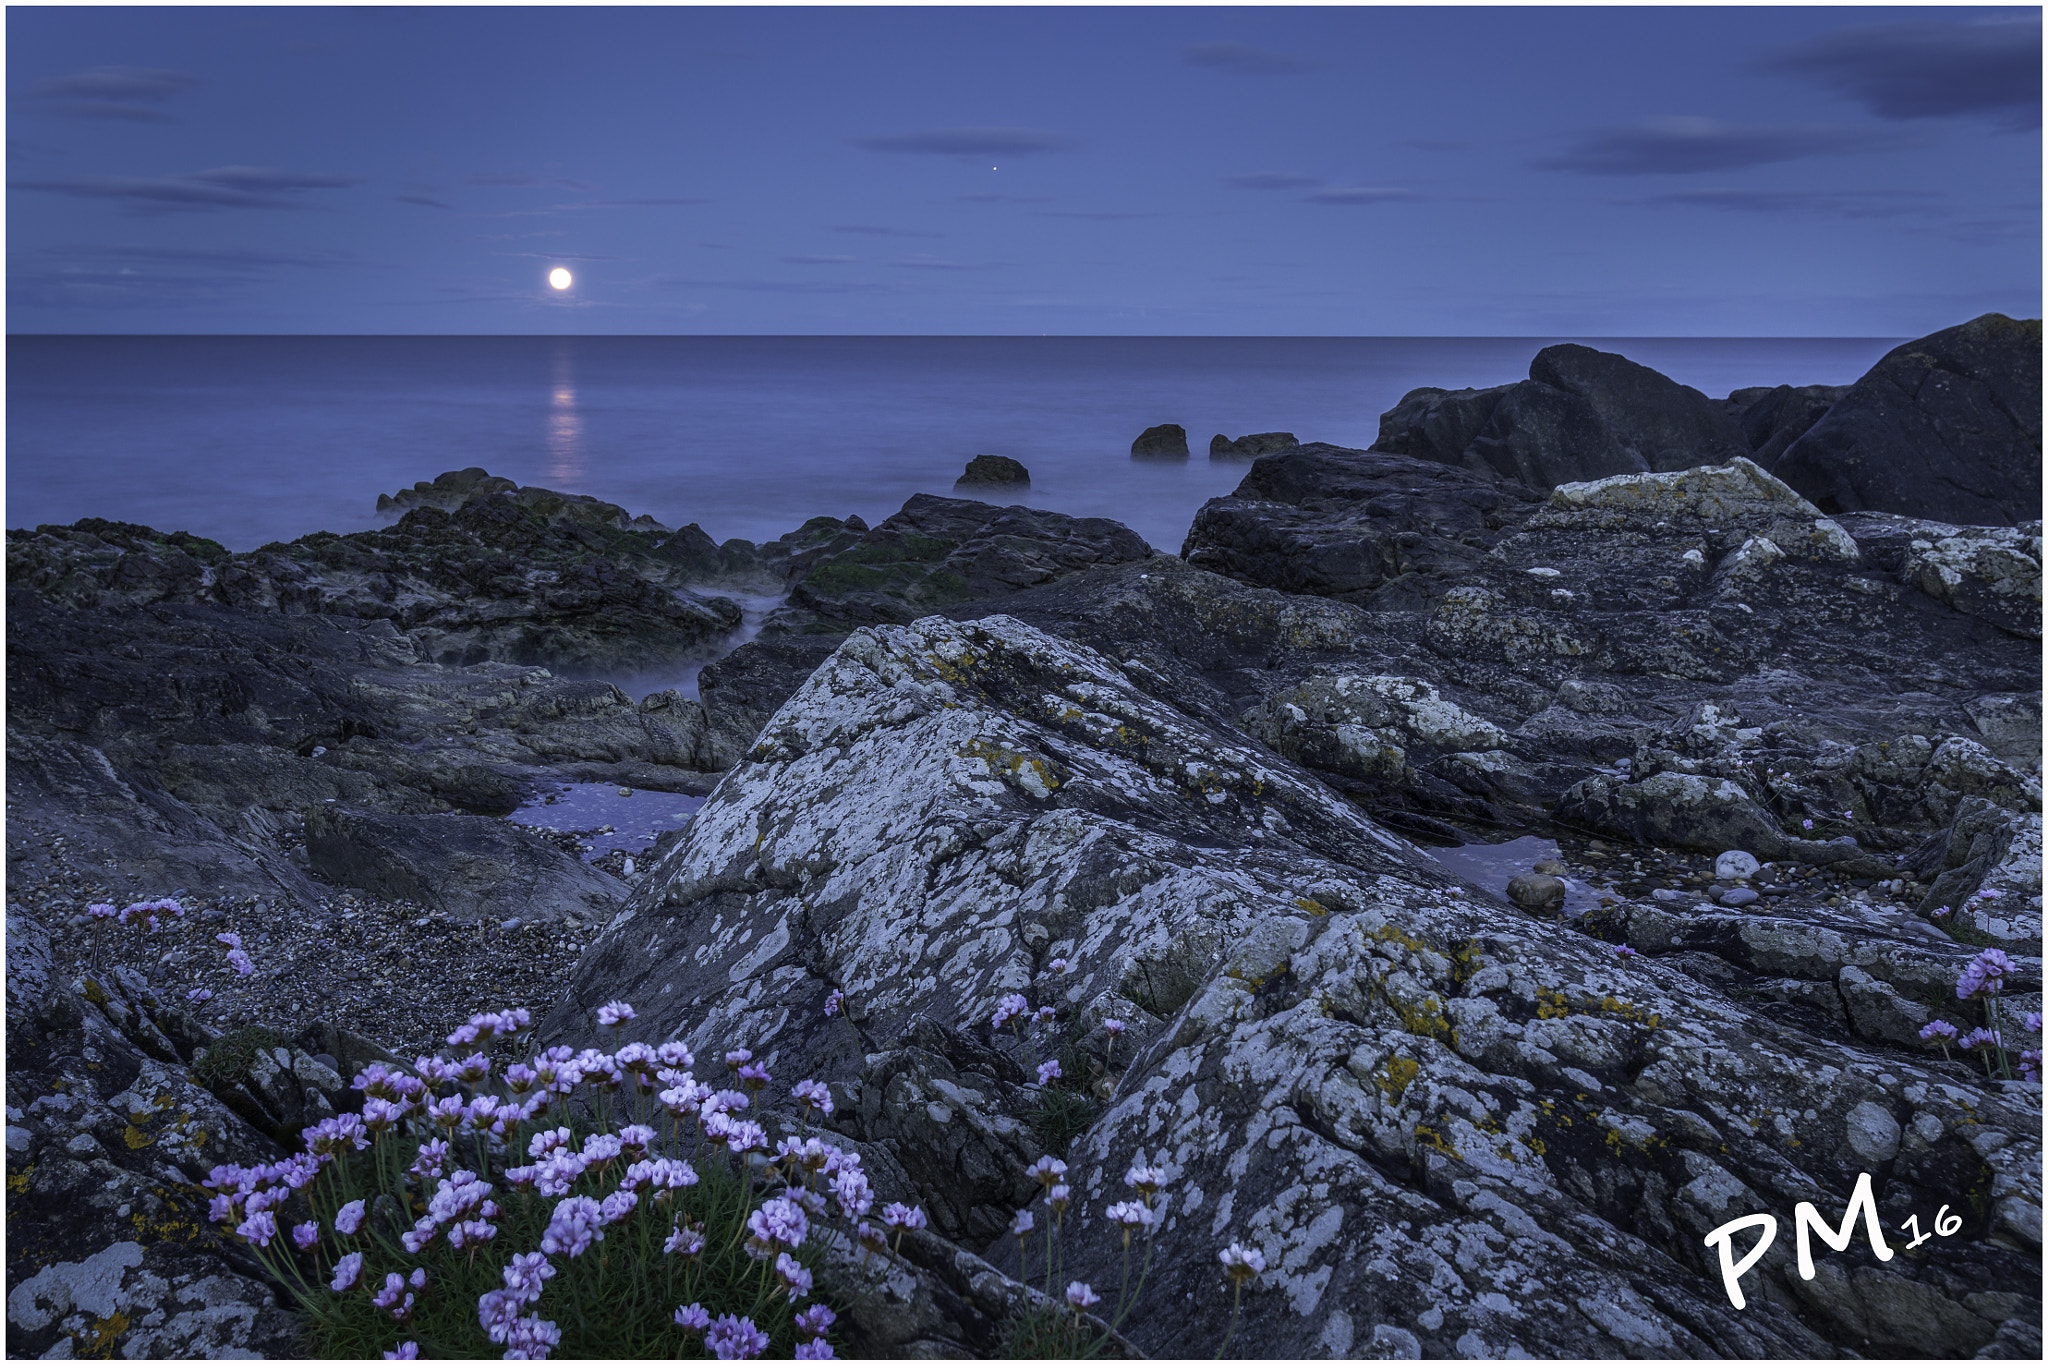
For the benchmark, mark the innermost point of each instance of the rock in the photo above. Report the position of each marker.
(1321, 1040)
(2010, 726)
(937, 552)
(1772, 419)
(1221, 447)
(1737, 896)
(1537, 891)
(1167, 441)
(1582, 414)
(467, 865)
(526, 576)
(996, 470)
(1991, 573)
(109, 1248)
(1946, 427)
(1736, 865)
(1386, 531)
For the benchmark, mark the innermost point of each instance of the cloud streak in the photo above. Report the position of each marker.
(1244, 60)
(1361, 194)
(1690, 146)
(867, 231)
(970, 142)
(112, 92)
(1270, 180)
(520, 181)
(224, 187)
(1830, 203)
(1987, 69)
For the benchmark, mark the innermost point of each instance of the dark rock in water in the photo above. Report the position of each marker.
(742, 690)
(1947, 427)
(1221, 447)
(937, 552)
(1582, 414)
(1361, 526)
(469, 865)
(525, 576)
(1537, 891)
(1772, 419)
(996, 470)
(1319, 1036)
(447, 491)
(1167, 441)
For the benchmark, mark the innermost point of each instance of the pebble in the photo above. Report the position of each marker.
(1735, 865)
(1736, 895)
(509, 925)
(1668, 896)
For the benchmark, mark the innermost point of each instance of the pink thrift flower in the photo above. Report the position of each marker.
(735, 1338)
(817, 1348)
(1048, 1072)
(345, 1271)
(813, 1321)
(407, 1350)
(1115, 1029)
(239, 960)
(1080, 1296)
(199, 995)
(692, 1317)
(834, 1002)
(615, 1013)
(305, 1235)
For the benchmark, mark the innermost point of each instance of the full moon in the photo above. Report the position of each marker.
(560, 278)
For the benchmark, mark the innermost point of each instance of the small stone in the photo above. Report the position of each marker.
(1536, 891)
(625, 791)
(1736, 896)
(1667, 896)
(1736, 866)
(509, 925)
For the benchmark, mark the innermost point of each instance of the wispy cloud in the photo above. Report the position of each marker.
(869, 231)
(224, 187)
(991, 198)
(220, 258)
(1830, 203)
(426, 201)
(1361, 194)
(1689, 146)
(112, 92)
(970, 142)
(1988, 68)
(629, 203)
(1434, 144)
(1271, 180)
(921, 262)
(818, 260)
(555, 256)
(769, 286)
(1244, 60)
(1104, 217)
(519, 180)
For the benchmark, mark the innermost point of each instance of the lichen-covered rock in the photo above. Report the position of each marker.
(1988, 572)
(109, 1250)
(1449, 1128)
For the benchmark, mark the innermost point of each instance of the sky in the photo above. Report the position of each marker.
(1355, 171)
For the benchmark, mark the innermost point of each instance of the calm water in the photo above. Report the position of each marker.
(254, 439)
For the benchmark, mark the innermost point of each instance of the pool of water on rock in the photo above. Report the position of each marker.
(636, 819)
(1493, 866)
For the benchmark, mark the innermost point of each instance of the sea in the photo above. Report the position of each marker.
(248, 440)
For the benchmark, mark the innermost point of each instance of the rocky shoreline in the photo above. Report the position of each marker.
(1782, 723)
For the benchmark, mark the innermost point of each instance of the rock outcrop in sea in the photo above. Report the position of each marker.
(1179, 809)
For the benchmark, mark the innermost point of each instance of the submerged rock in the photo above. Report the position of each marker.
(995, 470)
(1221, 447)
(1167, 441)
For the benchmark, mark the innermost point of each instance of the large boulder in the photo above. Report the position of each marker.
(1330, 1047)
(1581, 414)
(1360, 526)
(1947, 427)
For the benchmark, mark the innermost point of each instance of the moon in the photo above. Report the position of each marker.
(560, 278)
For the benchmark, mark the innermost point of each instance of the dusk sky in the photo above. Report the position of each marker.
(1633, 171)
